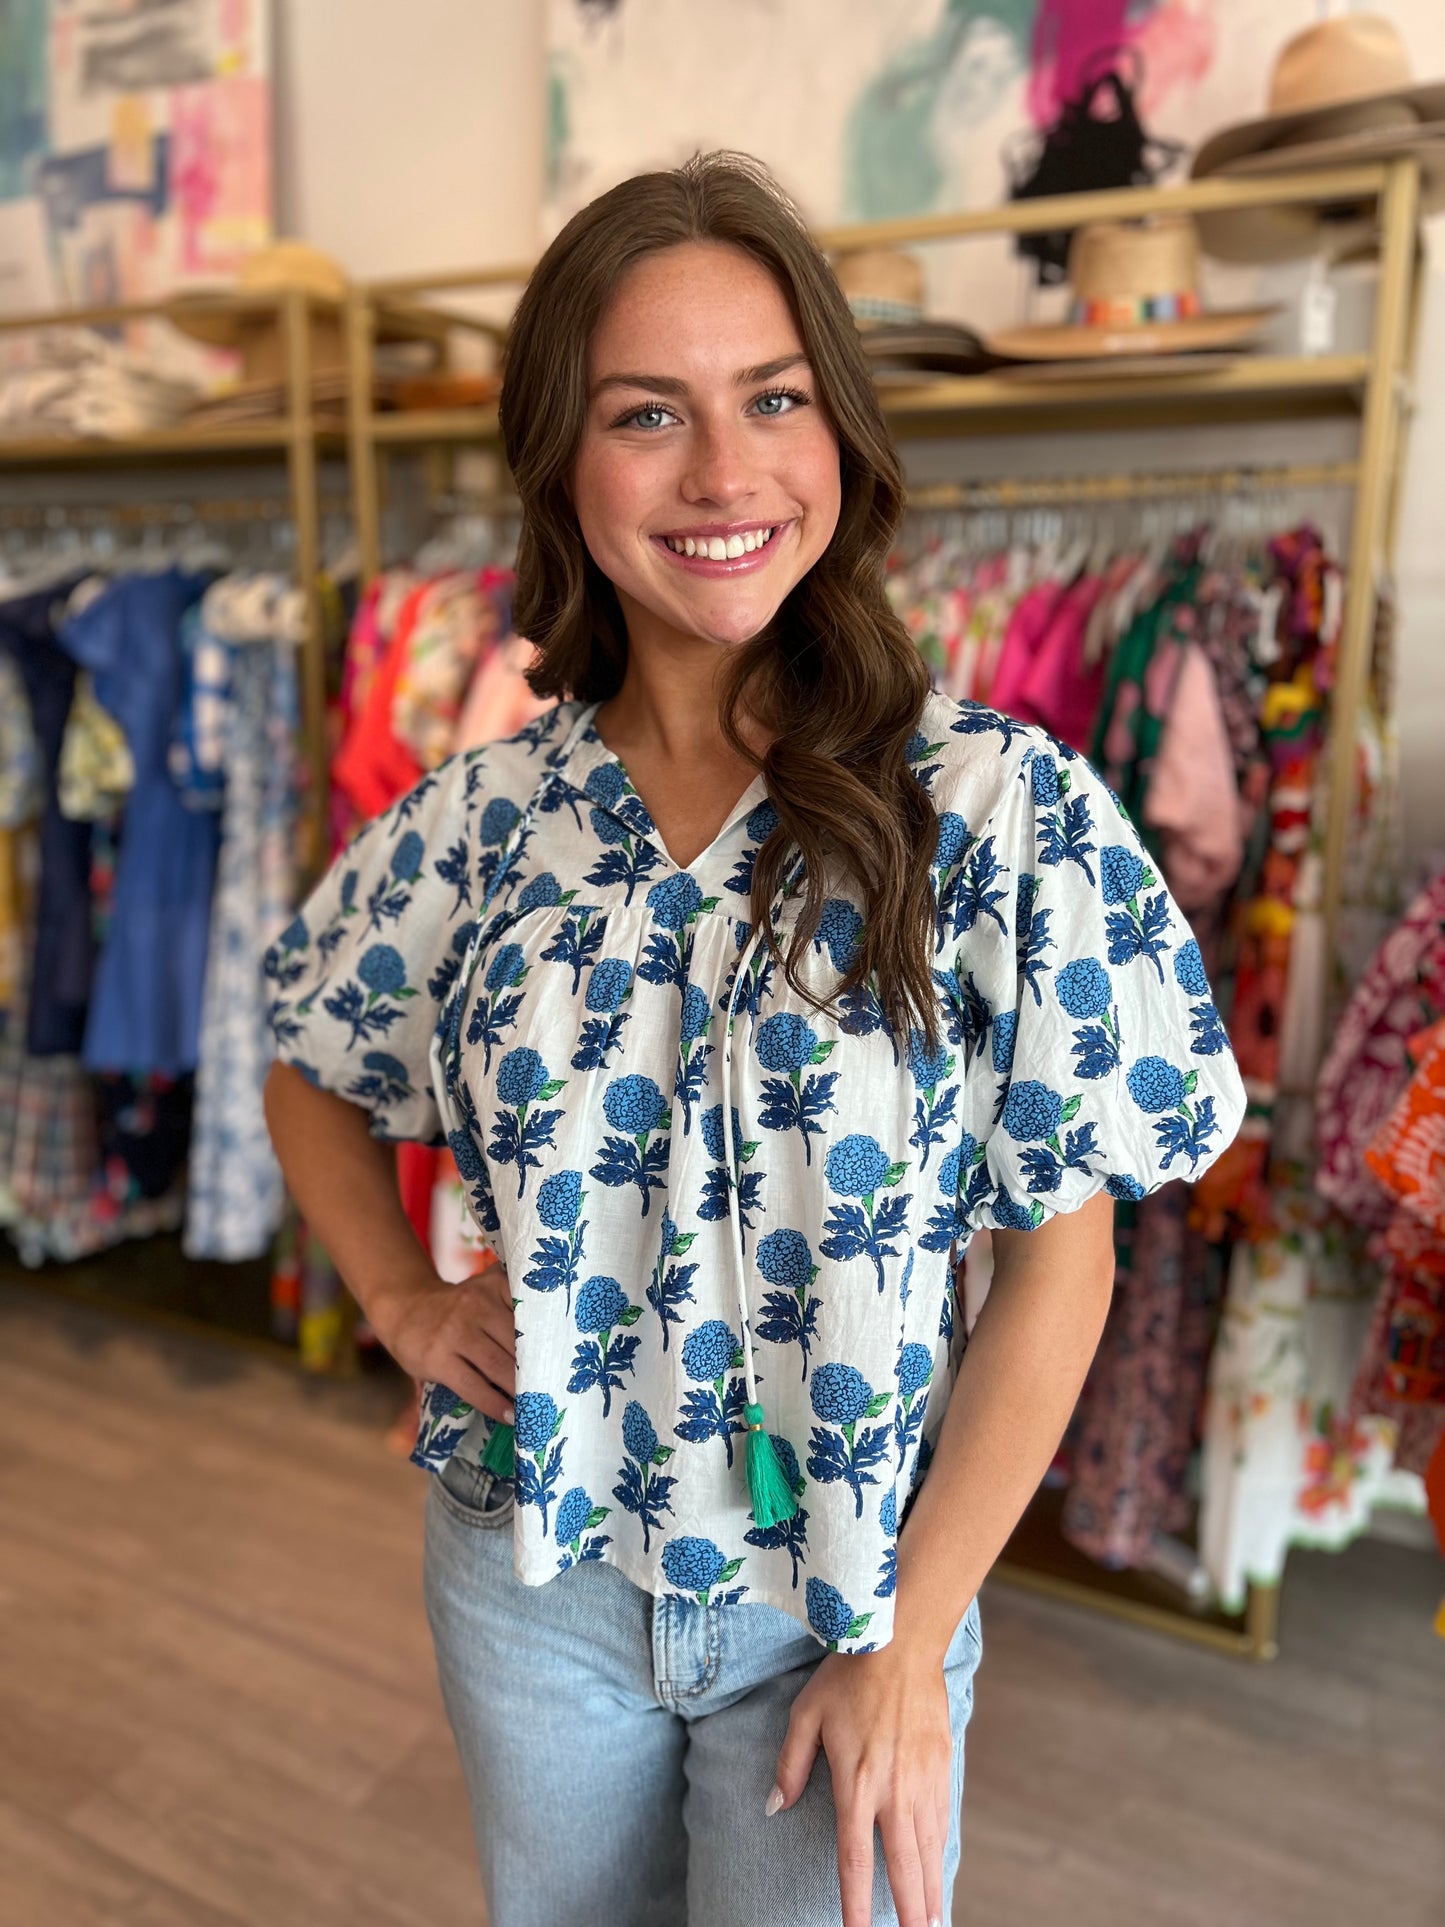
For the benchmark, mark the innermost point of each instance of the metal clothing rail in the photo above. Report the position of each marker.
(1174, 484)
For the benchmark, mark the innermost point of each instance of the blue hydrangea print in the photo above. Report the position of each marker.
(888, 1572)
(1187, 1130)
(792, 1102)
(1085, 990)
(719, 1180)
(519, 1133)
(830, 1615)
(556, 1260)
(1135, 929)
(675, 903)
(601, 1360)
(1063, 824)
(577, 1522)
(843, 1398)
(642, 1487)
(717, 1409)
(671, 1284)
(693, 1053)
(696, 1565)
(1035, 1115)
(539, 1451)
(608, 989)
(858, 1167)
(790, 1312)
(633, 1104)
(495, 1011)
(933, 1108)
(789, 1535)
(915, 1372)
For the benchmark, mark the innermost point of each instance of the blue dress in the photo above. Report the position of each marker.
(145, 1011)
(60, 976)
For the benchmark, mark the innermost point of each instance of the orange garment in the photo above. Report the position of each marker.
(371, 767)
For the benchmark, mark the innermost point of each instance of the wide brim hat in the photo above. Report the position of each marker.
(282, 268)
(884, 286)
(1135, 287)
(1341, 94)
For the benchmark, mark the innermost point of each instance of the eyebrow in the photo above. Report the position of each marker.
(671, 385)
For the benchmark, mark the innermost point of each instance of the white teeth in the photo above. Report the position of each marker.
(750, 542)
(717, 549)
(734, 547)
(689, 546)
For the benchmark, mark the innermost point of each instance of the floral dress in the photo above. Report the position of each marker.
(702, 1188)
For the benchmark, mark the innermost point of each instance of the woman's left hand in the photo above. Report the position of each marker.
(882, 1719)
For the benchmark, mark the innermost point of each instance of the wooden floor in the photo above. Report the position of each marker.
(217, 1702)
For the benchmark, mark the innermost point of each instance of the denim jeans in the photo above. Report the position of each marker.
(618, 1748)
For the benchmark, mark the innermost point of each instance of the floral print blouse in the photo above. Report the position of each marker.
(510, 962)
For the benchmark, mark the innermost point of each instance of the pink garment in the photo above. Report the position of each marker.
(500, 701)
(1061, 691)
(1026, 630)
(1192, 798)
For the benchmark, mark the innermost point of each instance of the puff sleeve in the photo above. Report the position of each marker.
(357, 981)
(1097, 1058)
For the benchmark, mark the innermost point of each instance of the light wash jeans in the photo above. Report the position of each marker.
(618, 1747)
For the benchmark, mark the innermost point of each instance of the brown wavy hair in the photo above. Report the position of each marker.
(834, 677)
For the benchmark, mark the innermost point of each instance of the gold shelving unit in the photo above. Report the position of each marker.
(1369, 389)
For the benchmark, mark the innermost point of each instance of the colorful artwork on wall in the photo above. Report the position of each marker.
(143, 133)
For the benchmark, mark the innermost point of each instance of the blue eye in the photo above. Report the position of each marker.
(780, 401)
(640, 417)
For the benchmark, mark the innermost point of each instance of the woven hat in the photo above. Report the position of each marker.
(884, 286)
(281, 268)
(1136, 292)
(1340, 94)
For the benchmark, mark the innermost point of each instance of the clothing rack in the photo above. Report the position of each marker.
(1063, 491)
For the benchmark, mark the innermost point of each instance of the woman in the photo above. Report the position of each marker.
(745, 985)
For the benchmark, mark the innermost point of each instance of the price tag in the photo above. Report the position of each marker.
(1317, 314)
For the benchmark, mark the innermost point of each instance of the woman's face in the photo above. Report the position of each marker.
(704, 432)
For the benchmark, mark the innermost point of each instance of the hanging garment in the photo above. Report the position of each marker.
(1191, 804)
(60, 978)
(457, 620)
(611, 1040)
(97, 773)
(146, 1010)
(1063, 689)
(236, 1194)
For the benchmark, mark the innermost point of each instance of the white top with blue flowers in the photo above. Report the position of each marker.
(510, 962)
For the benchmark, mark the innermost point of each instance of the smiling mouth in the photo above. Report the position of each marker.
(720, 548)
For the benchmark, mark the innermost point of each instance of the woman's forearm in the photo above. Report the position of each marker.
(344, 1182)
(1018, 1382)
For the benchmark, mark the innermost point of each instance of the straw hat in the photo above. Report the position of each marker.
(281, 268)
(1136, 293)
(883, 285)
(1341, 93)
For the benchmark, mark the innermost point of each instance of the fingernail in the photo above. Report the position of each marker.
(934, 1921)
(509, 1415)
(773, 1802)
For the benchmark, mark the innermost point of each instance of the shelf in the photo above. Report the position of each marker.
(1258, 386)
(422, 425)
(159, 445)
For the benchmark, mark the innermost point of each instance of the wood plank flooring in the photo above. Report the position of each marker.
(218, 1706)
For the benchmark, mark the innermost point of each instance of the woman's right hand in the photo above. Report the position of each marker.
(462, 1336)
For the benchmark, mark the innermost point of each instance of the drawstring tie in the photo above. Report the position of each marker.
(770, 1493)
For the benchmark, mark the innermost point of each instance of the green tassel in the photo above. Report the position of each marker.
(500, 1453)
(773, 1499)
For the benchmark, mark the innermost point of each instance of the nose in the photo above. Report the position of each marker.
(719, 469)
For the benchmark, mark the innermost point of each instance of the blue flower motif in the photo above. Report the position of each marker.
(1084, 988)
(856, 1165)
(708, 1353)
(692, 1564)
(600, 1305)
(696, 1014)
(466, 1156)
(1032, 1111)
(1012, 1215)
(829, 1613)
(1156, 1085)
(785, 1043)
(633, 1104)
(840, 1394)
(1124, 1185)
(674, 902)
(948, 1170)
(1044, 782)
(929, 1067)
(406, 858)
(712, 1131)
(784, 1258)
(915, 1368)
(952, 840)
(1189, 969)
(888, 1512)
(787, 1458)
(559, 1199)
(497, 821)
(385, 1065)
(382, 969)
(609, 830)
(536, 1421)
(520, 1076)
(1005, 1030)
(1120, 874)
(762, 821)
(542, 893)
(295, 935)
(605, 784)
(608, 984)
(572, 1511)
(505, 968)
(638, 1433)
(840, 931)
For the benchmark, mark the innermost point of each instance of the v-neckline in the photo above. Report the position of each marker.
(590, 740)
